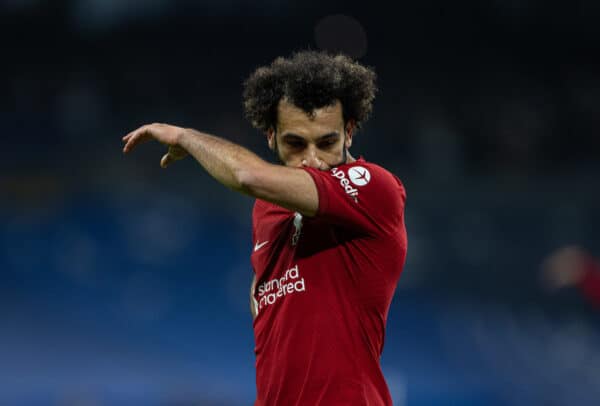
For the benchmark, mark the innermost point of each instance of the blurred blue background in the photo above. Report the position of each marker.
(125, 284)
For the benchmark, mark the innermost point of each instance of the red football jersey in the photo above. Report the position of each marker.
(323, 289)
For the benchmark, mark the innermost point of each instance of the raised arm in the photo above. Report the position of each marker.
(233, 165)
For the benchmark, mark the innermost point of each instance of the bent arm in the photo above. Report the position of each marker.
(240, 169)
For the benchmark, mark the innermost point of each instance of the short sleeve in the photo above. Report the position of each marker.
(364, 197)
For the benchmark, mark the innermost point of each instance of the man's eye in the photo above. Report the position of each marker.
(327, 144)
(295, 144)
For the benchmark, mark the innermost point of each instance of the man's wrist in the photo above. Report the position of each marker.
(182, 134)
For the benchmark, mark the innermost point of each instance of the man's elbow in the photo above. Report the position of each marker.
(249, 181)
(258, 181)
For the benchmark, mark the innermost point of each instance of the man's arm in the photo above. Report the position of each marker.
(234, 166)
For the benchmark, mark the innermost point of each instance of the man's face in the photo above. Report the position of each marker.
(316, 141)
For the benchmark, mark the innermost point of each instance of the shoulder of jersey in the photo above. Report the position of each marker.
(377, 175)
(362, 173)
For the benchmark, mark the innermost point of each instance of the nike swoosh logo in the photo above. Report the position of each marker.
(258, 246)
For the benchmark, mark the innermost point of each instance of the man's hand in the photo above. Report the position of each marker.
(164, 133)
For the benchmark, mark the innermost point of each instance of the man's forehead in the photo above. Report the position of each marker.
(290, 115)
(287, 106)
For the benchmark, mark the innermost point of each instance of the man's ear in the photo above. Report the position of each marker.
(271, 138)
(350, 126)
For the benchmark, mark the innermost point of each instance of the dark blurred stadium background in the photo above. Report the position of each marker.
(125, 284)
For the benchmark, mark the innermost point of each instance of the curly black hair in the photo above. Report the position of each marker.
(310, 80)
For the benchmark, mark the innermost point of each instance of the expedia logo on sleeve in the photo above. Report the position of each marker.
(359, 176)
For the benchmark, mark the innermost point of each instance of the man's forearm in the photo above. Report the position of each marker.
(233, 166)
(225, 161)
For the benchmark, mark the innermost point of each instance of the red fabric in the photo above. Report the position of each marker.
(590, 284)
(324, 287)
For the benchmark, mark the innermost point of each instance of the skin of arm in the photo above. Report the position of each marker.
(234, 166)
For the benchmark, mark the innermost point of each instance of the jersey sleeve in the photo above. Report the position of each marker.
(364, 198)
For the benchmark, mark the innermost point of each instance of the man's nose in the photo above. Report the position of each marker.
(311, 160)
